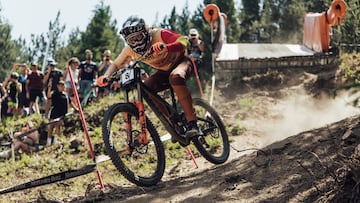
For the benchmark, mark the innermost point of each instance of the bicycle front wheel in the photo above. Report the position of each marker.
(214, 144)
(141, 164)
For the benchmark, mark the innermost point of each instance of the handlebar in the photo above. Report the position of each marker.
(117, 74)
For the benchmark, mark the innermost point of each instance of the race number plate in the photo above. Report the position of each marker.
(127, 76)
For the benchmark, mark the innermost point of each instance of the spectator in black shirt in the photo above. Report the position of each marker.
(87, 75)
(58, 102)
(14, 88)
(54, 75)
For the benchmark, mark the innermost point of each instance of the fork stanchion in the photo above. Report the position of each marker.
(90, 147)
(188, 150)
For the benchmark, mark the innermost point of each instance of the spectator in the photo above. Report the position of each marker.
(14, 88)
(23, 101)
(35, 88)
(59, 102)
(3, 96)
(196, 49)
(24, 140)
(54, 75)
(73, 65)
(87, 75)
(103, 66)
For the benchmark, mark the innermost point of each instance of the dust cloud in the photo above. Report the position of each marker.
(302, 112)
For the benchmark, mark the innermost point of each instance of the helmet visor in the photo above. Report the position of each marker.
(135, 38)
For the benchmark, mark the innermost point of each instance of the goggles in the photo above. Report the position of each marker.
(135, 38)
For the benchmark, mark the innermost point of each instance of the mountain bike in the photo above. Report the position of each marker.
(132, 141)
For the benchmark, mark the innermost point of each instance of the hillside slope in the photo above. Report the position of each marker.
(292, 142)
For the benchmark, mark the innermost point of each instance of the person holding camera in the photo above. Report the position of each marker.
(103, 66)
(13, 88)
(53, 74)
(196, 48)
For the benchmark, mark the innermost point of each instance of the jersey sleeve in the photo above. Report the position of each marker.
(125, 57)
(174, 41)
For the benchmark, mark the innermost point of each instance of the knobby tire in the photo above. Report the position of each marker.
(214, 145)
(151, 161)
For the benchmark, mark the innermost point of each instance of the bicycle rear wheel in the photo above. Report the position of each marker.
(145, 164)
(214, 144)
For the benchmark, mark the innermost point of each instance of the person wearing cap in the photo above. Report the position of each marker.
(52, 74)
(58, 101)
(35, 88)
(196, 48)
(87, 75)
(13, 88)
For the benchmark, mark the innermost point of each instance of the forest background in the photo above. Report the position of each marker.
(252, 21)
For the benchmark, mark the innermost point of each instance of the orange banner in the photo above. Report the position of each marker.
(316, 34)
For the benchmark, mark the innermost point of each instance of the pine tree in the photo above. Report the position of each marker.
(101, 33)
(9, 49)
(250, 13)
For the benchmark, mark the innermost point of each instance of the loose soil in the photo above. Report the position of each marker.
(291, 141)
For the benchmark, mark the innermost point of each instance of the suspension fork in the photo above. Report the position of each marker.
(142, 140)
(142, 118)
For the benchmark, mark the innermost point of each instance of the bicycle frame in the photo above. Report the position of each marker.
(143, 141)
(151, 97)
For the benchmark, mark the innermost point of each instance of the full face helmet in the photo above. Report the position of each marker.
(136, 34)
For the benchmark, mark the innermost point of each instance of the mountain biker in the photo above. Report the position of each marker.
(163, 50)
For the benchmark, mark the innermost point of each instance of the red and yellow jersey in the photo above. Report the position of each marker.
(176, 46)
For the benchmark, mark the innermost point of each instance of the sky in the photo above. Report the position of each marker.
(33, 16)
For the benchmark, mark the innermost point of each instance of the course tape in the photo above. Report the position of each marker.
(51, 179)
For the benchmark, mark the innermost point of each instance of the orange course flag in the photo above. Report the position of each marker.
(211, 13)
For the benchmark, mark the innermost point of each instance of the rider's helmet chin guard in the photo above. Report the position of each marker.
(136, 34)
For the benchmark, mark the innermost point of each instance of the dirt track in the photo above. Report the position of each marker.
(305, 151)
